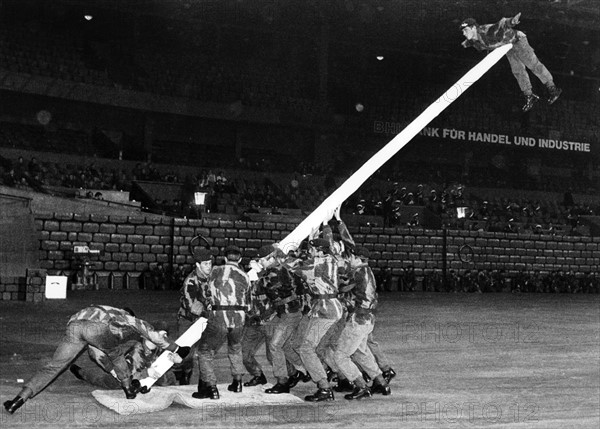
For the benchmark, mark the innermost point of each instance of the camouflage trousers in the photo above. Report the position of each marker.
(522, 57)
(283, 328)
(318, 329)
(352, 347)
(213, 337)
(254, 337)
(78, 336)
(380, 357)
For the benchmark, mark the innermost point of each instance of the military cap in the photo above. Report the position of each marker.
(265, 250)
(233, 249)
(469, 22)
(362, 252)
(161, 325)
(201, 254)
(320, 242)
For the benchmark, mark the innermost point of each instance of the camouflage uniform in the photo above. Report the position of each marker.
(321, 275)
(286, 300)
(138, 358)
(229, 300)
(359, 325)
(104, 328)
(521, 57)
(192, 299)
(257, 329)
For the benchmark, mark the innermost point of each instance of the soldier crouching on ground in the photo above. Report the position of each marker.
(139, 356)
(104, 328)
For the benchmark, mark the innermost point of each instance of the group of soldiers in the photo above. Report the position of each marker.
(312, 307)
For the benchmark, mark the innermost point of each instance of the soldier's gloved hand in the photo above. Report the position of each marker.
(131, 388)
(255, 265)
(515, 19)
(255, 320)
(174, 357)
(197, 308)
(183, 351)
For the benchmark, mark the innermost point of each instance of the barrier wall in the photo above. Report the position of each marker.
(131, 246)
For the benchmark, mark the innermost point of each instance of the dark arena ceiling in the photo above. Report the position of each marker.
(426, 25)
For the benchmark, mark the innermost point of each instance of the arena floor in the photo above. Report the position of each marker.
(463, 360)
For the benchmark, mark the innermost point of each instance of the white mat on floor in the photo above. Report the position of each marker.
(160, 398)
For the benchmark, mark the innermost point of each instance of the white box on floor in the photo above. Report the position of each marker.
(56, 287)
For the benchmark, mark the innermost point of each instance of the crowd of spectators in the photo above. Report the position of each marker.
(486, 281)
(391, 201)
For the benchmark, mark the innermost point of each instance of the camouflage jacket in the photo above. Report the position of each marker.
(364, 294)
(321, 275)
(492, 36)
(122, 324)
(193, 296)
(281, 287)
(261, 309)
(345, 283)
(229, 294)
(137, 357)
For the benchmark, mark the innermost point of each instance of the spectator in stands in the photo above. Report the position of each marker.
(20, 169)
(9, 178)
(138, 173)
(221, 181)
(568, 199)
(420, 196)
(211, 179)
(33, 167)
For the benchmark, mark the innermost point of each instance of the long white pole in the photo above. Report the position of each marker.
(325, 210)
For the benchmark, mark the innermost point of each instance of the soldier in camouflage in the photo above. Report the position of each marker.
(139, 356)
(229, 301)
(521, 57)
(320, 272)
(352, 343)
(286, 303)
(104, 328)
(257, 331)
(193, 298)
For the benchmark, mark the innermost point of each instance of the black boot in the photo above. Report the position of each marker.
(320, 395)
(76, 370)
(236, 386)
(14, 405)
(331, 376)
(553, 94)
(213, 392)
(256, 380)
(279, 388)
(359, 393)
(294, 379)
(344, 385)
(202, 392)
(185, 378)
(380, 388)
(388, 375)
(131, 388)
(530, 102)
